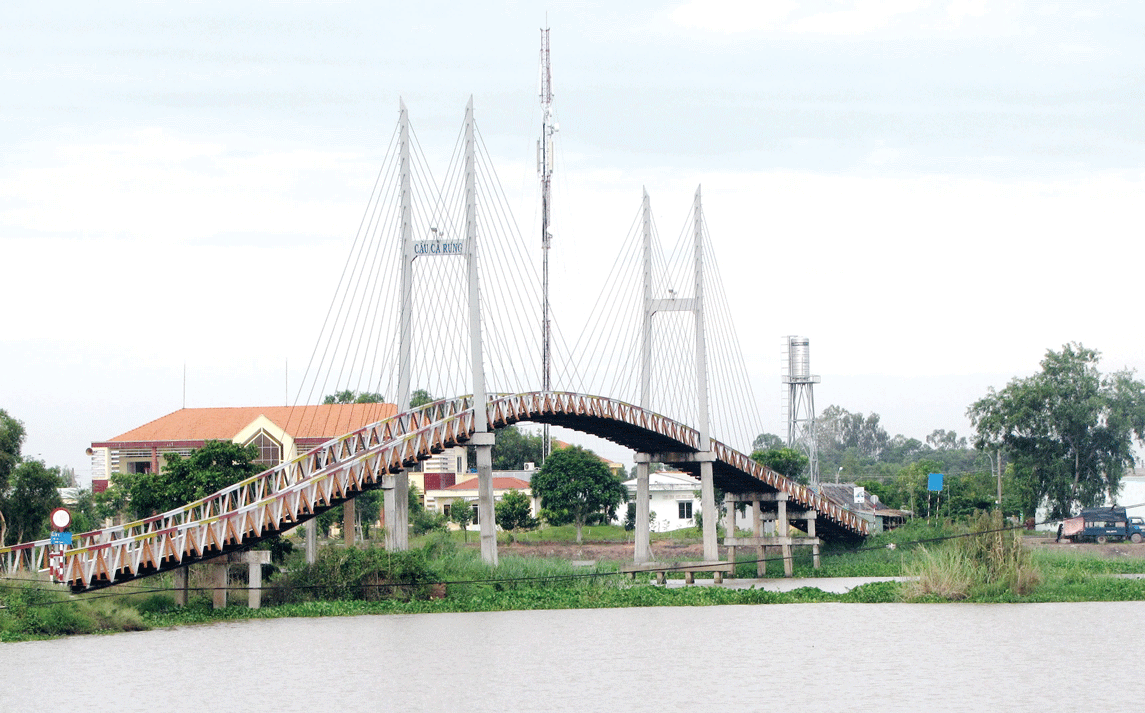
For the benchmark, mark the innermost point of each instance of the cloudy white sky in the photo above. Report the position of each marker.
(935, 192)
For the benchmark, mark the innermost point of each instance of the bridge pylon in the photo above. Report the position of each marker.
(695, 305)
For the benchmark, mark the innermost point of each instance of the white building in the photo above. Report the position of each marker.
(674, 499)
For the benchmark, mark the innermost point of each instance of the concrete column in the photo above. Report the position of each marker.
(643, 548)
(389, 503)
(757, 531)
(401, 511)
(708, 507)
(811, 533)
(219, 584)
(783, 530)
(254, 584)
(485, 514)
(730, 533)
(311, 530)
(179, 584)
(348, 519)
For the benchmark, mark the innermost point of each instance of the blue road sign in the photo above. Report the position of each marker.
(934, 482)
(61, 538)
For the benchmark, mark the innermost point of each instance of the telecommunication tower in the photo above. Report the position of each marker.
(801, 404)
(545, 170)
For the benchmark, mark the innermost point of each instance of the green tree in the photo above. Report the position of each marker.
(420, 397)
(577, 482)
(513, 512)
(767, 442)
(31, 496)
(461, 512)
(349, 396)
(11, 440)
(514, 448)
(785, 461)
(183, 480)
(1069, 430)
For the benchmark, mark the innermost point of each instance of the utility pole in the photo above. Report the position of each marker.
(545, 170)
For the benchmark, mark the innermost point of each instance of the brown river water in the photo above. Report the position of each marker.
(798, 657)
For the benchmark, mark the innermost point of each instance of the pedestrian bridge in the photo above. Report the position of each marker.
(288, 495)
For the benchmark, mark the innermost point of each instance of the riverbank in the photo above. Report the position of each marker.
(446, 576)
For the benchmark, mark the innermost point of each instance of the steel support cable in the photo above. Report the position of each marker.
(511, 288)
(735, 366)
(509, 260)
(369, 248)
(375, 275)
(348, 344)
(364, 258)
(389, 324)
(597, 308)
(346, 266)
(498, 313)
(723, 384)
(432, 326)
(601, 323)
(612, 330)
(525, 288)
(736, 397)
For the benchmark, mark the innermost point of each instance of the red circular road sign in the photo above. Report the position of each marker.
(60, 519)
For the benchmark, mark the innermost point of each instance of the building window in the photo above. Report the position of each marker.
(269, 450)
(685, 509)
(475, 522)
(141, 467)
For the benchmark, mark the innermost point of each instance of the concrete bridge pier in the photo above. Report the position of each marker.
(708, 508)
(643, 544)
(179, 584)
(220, 576)
(311, 530)
(485, 512)
(779, 540)
(729, 537)
(349, 517)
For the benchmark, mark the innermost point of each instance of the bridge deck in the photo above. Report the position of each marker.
(292, 493)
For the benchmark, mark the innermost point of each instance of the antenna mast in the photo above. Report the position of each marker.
(545, 170)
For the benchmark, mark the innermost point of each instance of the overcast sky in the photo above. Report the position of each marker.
(933, 192)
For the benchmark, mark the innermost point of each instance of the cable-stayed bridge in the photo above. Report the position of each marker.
(439, 300)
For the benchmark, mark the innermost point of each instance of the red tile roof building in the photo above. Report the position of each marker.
(281, 433)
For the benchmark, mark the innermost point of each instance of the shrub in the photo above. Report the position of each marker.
(356, 574)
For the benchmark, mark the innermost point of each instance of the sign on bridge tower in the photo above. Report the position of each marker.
(440, 244)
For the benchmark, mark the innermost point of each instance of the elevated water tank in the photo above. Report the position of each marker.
(798, 357)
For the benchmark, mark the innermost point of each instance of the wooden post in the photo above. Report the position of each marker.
(179, 584)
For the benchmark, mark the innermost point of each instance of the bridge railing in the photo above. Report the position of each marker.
(353, 464)
(32, 556)
(287, 494)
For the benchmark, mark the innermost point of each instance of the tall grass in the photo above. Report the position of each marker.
(984, 559)
(35, 610)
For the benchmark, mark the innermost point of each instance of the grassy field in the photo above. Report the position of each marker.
(444, 574)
